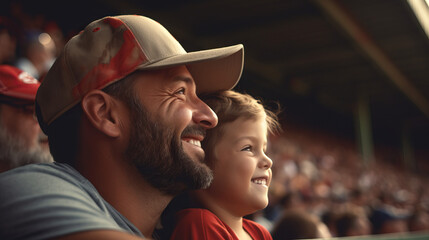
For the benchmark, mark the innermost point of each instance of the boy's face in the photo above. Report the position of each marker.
(242, 171)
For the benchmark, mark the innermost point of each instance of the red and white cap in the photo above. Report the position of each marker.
(111, 48)
(17, 86)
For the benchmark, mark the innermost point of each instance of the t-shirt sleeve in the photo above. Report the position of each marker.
(42, 205)
(199, 224)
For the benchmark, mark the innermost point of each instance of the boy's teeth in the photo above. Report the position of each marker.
(195, 142)
(260, 181)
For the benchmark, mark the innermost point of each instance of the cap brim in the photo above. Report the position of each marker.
(213, 70)
(27, 93)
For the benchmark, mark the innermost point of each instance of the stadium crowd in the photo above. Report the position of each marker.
(324, 177)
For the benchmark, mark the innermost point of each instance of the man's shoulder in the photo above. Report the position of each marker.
(55, 200)
(45, 181)
(41, 173)
(44, 168)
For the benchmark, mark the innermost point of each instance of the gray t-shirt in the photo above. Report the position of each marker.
(41, 201)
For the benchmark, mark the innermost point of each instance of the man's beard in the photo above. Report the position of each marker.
(157, 152)
(14, 153)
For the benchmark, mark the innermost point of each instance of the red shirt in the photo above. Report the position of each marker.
(195, 223)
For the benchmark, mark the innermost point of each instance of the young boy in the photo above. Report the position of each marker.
(235, 151)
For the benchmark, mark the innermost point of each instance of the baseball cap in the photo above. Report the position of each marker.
(16, 86)
(111, 48)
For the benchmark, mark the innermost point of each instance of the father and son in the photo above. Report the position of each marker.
(128, 113)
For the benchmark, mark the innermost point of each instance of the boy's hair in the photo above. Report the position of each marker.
(229, 106)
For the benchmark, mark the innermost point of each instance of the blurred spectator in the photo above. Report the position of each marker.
(38, 53)
(352, 222)
(298, 224)
(21, 139)
(359, 198)
(329, 218)
(385, 222)
(419, 221)
(8, 40)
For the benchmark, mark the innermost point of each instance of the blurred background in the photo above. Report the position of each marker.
(351, 77)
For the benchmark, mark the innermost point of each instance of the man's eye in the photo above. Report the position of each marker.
(180, 91)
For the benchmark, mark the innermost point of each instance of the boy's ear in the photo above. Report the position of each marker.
(99, 109)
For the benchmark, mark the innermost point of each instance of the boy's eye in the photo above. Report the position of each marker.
(247, 148)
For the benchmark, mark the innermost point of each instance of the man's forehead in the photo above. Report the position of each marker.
(187, 79)
(179, 73)
(168, 75)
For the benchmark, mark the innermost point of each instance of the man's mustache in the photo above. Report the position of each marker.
(194, 130)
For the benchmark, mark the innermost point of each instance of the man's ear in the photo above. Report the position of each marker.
(99, 108)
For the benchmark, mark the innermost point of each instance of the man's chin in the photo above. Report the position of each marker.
(203, 177)
(193, 152)
(200, 175)
(198, 159)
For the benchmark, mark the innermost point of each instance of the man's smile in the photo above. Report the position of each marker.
(192, 141)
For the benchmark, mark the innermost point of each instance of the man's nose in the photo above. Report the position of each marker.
(204, 115)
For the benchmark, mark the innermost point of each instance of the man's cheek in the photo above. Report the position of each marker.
(182, 118)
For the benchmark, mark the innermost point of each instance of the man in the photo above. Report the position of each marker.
(21, 139)
(120, 106)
